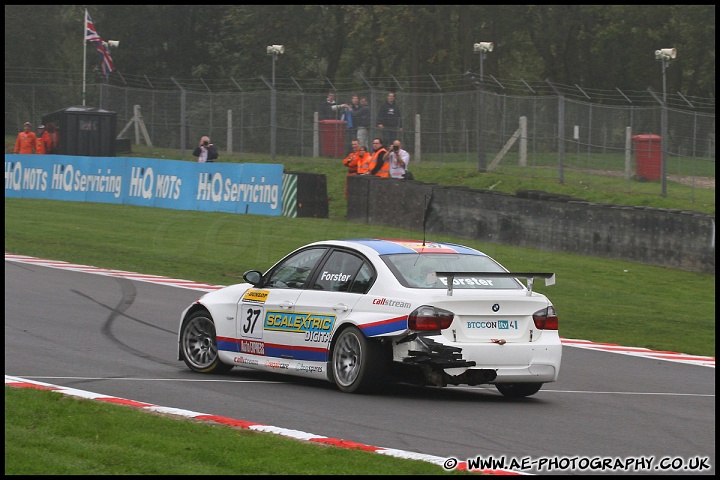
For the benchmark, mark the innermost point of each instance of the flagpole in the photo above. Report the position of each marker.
(84, 55)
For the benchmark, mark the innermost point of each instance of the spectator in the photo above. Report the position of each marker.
(330, 109)
(205, 151)
(43, 142)
(350, 119)
(389, 119)
(26, 139)
(54, 134)
(399, 160)
(357, 155)
(363, 163)
(358, 162)
(360, 111)
(378, 164)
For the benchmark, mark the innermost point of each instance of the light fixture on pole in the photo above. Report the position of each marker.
(664, 55)
(481, 48)
(273, 50)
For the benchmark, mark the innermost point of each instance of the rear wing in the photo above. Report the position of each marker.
(530, 276)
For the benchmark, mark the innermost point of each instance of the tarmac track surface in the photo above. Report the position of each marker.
(80, 330)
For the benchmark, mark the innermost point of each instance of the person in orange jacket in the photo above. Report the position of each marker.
(43, 142)
(26, 139)
(54, 134)
(363, 163)
(379, 166)
(356, 159)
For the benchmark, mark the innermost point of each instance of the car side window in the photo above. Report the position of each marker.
(363, 280)
(294, 271)
(338, 272)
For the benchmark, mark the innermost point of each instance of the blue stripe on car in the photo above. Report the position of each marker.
(228, 344)
(386, 326)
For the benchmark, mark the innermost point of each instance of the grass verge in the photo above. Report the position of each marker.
(50, 433)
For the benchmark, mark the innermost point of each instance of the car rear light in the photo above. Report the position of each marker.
(546, 319)
(430, 318)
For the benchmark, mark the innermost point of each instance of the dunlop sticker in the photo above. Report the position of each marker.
(256, 295)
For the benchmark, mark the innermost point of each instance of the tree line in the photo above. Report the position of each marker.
(595, 46)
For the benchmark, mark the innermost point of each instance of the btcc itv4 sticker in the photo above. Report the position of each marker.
(497, 324)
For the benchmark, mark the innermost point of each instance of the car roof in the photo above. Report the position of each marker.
(388, 246)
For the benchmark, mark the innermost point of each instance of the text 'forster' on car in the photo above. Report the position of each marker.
(361, 312)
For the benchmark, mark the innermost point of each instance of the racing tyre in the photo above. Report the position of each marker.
(518, 390)
(356, 362)
(198, 344)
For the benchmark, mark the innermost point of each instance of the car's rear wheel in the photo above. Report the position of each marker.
(356, 362)
(198, 344)
(518, 390)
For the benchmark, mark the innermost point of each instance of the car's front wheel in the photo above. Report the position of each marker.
(198, 344)
(518, 390)
(356, 362)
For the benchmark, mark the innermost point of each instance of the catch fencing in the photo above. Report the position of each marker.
(545, 131)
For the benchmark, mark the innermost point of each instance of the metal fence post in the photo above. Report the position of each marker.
(183, 117)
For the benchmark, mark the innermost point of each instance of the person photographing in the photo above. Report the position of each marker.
(399, 160)
(205, 151)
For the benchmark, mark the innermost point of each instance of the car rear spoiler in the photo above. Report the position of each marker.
(530, 276)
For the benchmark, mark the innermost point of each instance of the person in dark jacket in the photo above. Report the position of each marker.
(330, 109)
(205, 151)
(389, 119)
(360, 111)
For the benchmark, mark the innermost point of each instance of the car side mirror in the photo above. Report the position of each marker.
(252, 276)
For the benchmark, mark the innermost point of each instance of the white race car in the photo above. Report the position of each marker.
(362, 311)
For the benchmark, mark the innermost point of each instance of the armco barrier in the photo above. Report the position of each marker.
(669, 238)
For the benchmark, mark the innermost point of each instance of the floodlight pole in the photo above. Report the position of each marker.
(108, 44)
(84, 92)
(482, 160)
(664, 132)
(273, 50)
(481, 48)
(273, 110)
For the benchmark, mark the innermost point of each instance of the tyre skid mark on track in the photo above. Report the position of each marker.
(18, 382)
(602, 347)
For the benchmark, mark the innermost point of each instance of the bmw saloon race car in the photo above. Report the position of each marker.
(361, 312)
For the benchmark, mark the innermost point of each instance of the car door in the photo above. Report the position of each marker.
(331, 295)
(267, 320)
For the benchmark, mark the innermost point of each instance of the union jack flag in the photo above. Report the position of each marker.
(92, 36)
